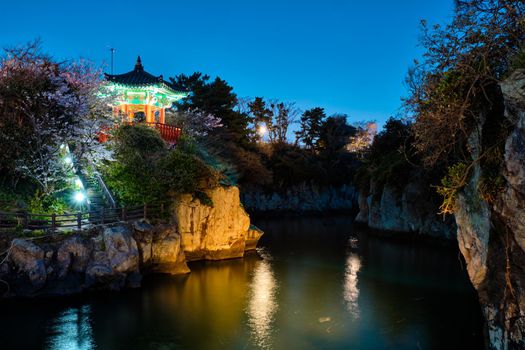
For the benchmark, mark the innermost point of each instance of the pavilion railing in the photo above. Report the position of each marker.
(81, 220)
(169, 133)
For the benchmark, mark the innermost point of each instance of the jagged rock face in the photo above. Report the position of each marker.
(472, 216)
(362, 216)
(491, 236)
(160, 248)
(301, 198)
(74, 255)
(406, 210)
(121, 249)
(252, 237)
(28, 259)
(212, 232)
(115, 257)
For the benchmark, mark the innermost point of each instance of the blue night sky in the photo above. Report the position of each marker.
(347, 56)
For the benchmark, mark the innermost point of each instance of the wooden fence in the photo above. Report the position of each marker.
(81, 220)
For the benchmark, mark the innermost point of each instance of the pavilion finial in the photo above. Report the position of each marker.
(138, 65)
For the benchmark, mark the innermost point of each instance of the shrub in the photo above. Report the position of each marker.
(451, 184)
(46, 204)
(145, 170)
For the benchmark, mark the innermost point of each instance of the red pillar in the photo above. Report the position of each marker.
(162, 116)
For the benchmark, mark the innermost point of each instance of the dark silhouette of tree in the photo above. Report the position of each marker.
(262, 116)
(284, 113)
(310, 125)
(217, 98)
(335, 134)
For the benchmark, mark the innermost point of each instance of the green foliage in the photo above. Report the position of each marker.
(41, 203)
(204, 198)
(186, 173)
(146, 171)
(387, 160)
(217, 98)
(492, 182)
(451, 184)
(10, 200)
(133, 176)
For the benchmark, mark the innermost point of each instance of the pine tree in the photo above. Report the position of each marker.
(310, 126)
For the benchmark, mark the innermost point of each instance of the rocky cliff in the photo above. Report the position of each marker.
(215, 231)
(118, 256)
(403, 210)
(491, 234)
(305, 198)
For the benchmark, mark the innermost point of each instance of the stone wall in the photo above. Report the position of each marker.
(305, 198)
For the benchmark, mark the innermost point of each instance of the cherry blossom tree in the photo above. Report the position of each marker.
(44, 105)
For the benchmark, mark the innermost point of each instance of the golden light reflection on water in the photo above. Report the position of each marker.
(262, 304)
(72, 330)
(350, 289)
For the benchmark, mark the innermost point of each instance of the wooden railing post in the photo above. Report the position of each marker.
(26, 220)
(79, 220)
(162, 209)
(53, 222)
(123, 213)
(145, 211)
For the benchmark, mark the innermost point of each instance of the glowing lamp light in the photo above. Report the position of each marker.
(68, 160)
(79, 197)
(262, 130)
(79, 183)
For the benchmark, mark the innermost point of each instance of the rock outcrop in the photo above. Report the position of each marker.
(405, 210)
(117, 256)
(305, 198)
(160, 248)
(28, 262)
(491, 235)
(212, 231)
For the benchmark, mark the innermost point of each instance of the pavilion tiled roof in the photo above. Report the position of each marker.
(139, 77)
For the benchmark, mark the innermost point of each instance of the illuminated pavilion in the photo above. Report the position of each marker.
(139, 93)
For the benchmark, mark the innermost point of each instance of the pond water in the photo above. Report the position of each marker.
(314, 284)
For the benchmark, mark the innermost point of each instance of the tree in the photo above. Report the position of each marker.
(284, 114)
(216, 98)
(335, 134)
(45, 105)
(262, 117)
(310, 125)
(361, 141)
(457, 80)
(196, 123)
